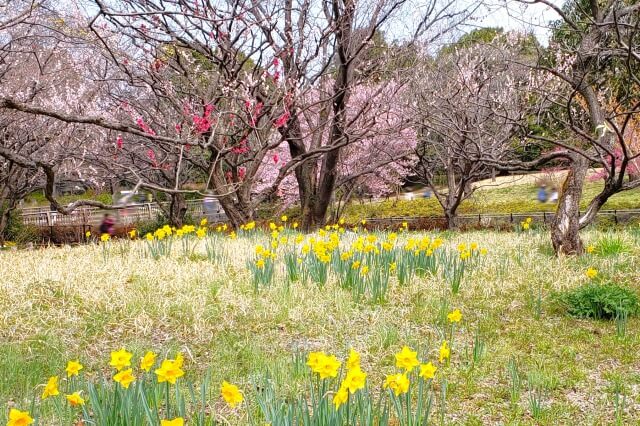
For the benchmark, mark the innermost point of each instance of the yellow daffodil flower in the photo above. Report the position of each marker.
(73, 368)
(445, 351)
(428, 371)
(120, 359)
(231, 394)
(147, 361)
(341, 397)
(354, 359)
(124, 377)
(407, 359)
(454, 316)
(75, 399)
(51, 388)
(398, 383)
(355, 379)
(169, 371)
(19, 418)
(178, 421)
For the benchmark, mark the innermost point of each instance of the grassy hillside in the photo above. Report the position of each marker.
(512, 199)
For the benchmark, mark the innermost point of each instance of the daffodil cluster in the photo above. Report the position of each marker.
(470, 251)
(130, 393)
(526, 224)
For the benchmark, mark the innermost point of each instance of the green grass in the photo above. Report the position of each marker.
(66, 303)
(38, 199)
(512, 199)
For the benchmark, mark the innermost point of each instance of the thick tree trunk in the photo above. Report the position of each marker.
(451, 219)
(326, 187)
(565, 228)
(306, 178)
(305, 173)
(236, 213)
(177, 210)
(319, 199)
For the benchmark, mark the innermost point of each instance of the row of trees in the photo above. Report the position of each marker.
(307, 102)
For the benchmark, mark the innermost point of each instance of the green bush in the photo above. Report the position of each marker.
(600, 301)
(20, 233)
(149, 226)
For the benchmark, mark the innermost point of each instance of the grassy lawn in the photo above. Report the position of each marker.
(511, 199)
(61, 304)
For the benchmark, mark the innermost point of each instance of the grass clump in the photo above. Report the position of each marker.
(600, 301)
(611, 245)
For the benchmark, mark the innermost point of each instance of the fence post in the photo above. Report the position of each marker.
(84, 223)
(511, 217)
(544, 217)
(50, 223)
(149, 211)
(615, 216)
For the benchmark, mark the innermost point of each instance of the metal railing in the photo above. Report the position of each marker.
(44, 217)
(494, 219)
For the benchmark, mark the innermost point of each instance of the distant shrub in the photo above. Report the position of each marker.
(20, 233)
(600, 301)
(149, 226)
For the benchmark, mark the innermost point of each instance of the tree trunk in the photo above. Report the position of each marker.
(319, 200)
(177, 210)
(237, 214)
(6, 207)
(305, 173)
(597, 202)
(565, 228)
(4, 221)
(451, 219)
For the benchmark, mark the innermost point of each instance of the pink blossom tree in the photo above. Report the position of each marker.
(374, 163)
(187, 91)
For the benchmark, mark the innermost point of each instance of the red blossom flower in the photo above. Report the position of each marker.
(152, 157)
(258, 109)
(144, 126)
(282, 120)
(242, 147)
(203, 124)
